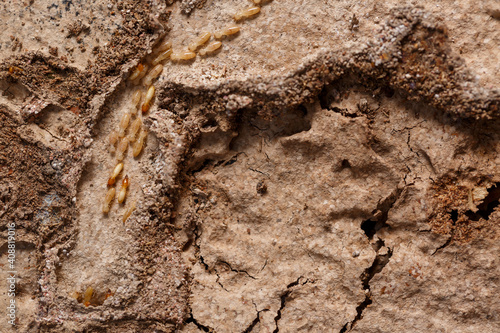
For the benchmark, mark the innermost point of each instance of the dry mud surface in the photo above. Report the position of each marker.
(334, 167)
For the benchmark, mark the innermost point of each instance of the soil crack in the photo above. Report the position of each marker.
(200, 326)
(237, 270)
(284, 296)
(371, 227)
(255, 321)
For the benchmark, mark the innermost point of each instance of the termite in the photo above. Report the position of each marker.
(164, 46)
(123, 190)
(110, 195)
(118, 168)
(139, 143)
(212, 47)
(229, 30)
(182, 55)
(113, 139)
(147, 100)
(161, 57)
(140, 69)
(130, 209)
(87, 296)
(153, 74)
(260, 2)
(199, 41)
(120, 150)
(123, 124)
(136, 99)
(76, 295)
(246, 13)
(134, 129)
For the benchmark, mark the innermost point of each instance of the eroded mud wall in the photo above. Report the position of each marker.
(332, 167)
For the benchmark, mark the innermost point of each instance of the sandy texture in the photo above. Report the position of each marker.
(332, 168)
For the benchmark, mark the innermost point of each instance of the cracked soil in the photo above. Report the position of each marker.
(334, 167)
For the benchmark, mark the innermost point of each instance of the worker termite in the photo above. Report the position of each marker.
(161, 57)
(212, 47)
(182, 55)
(134, 129)
(123, 190)
(229, 30)
(199, 41)
(164, 46)
(147, 100)
(118, 168)
(136, 99)
(121, 149)
(113, 139)
(87, 296)
(110, 195)
(139, 143)
(153, 74)
(130, 209)
(260, 2)
(140, 69)
(123, 124)
(246, 13)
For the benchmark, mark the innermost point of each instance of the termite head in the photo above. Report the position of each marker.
(125, 181)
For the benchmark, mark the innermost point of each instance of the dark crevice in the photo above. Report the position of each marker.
(454, 216)
(381, 260)
(205, 164)
(487, 207)
(220, 283)
(371, 227)
(252, 325)
(344, 112)
(379, 220)
(278, 315)
(197, 235)
(345, 164)
(255, 321)
(283, 300)
(448, 241)
(202, 261)
(200, 326)
(237, 270)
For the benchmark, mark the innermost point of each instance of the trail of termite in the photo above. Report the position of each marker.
(112, 185)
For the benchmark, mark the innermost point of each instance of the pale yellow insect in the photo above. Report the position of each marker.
(164, 46)
(227, 31)
(123, 190)
(138, 72)
(134, 129)
(122, 127)
(199, 41)
(246, 13)
(130, 209)
(147, 100)
(182, 55)
(136, 99)
(161, 57)
(152, 75)
(139, 143)
(113, 139)
(116, 171)
(212, 47)
(87, 296)
(110, 195)
(121, 149)
(260, 2)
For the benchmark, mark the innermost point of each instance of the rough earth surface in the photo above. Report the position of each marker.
(333, 168)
